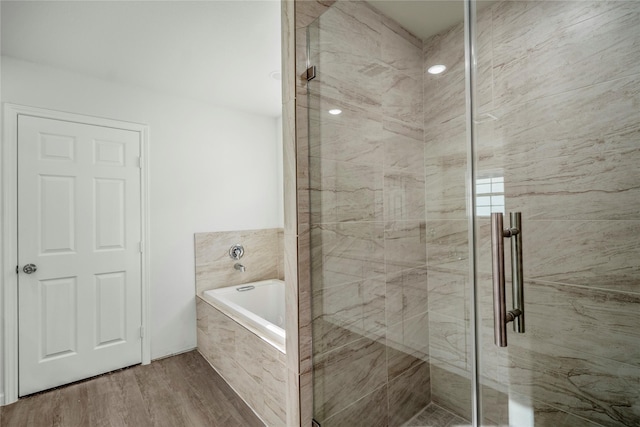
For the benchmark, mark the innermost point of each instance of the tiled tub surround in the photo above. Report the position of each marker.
(263, 257)
(561, 82)
(255, 369)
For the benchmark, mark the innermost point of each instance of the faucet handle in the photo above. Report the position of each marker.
(236, 251)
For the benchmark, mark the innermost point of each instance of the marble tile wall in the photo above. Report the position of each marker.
(256, 370)
(263, 257)
(558, 96)
(558, 89)
(364, 188)
(447, 227)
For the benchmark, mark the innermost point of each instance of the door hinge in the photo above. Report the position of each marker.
(140, 162)
(140, 247)
(141, 331)
(17, 269)
(311, 73)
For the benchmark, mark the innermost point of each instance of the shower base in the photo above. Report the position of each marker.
(435, 416)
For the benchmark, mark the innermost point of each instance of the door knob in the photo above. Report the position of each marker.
(29, 268)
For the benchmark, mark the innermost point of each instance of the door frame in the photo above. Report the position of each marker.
(9, 230)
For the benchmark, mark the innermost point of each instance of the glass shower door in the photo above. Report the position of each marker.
(557, 127)
(388, 219)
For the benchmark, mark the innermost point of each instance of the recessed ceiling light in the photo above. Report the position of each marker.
(436, 69)
(275, 75)
(335, 111)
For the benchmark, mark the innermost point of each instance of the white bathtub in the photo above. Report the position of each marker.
(258, 306)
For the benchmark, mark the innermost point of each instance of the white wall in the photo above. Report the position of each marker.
(210, 169)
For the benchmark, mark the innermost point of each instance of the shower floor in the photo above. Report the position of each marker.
(435, 416)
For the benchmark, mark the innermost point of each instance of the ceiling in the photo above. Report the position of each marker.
(422, 18)
(219, 52)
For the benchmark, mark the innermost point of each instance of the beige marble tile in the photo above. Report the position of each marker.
(496, 411)
(304, 310)
(359, 192)
(350, 72)
(483, 96)
(347, 374)
(370, 411)
(308, 11)
(435, 416)
(599, 254)
(346, 252)
(409, 394)
(252, 367)
(447, 244)
(596, 187)
(405, 245)
(346, 313)
(600, 323)
(593, 120)
(402, 151)
(406, 294)
(450, 341)
(274, 381)
(400, 49)
(289, 167)
(404, 196)
(449, 293)
(594, 388)
(322, 191)
(451, 389)
(447, 140)
(247, 377)
(214, 267)
(407, 344)
(444, 94)
(446, 186)
(354, 136)
(280, 253)
(547, 48)
(306, 398)
(402, 101)
(294, 396)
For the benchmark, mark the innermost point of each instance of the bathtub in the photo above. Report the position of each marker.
(258, 306)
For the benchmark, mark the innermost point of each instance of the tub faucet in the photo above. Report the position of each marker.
(241, 268)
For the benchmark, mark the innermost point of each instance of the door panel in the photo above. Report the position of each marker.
(79, 222)
(558, 94)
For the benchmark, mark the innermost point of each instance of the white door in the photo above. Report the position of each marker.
(79, 223)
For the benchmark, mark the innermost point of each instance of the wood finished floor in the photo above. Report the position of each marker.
(178, 391)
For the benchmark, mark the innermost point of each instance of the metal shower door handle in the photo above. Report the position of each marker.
(500, 314)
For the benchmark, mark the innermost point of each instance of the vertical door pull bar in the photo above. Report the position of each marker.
(517, 277)
(500, 314)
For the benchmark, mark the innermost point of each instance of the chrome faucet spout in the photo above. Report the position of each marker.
(241, 268)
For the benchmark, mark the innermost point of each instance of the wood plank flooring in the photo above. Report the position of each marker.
(178, 391)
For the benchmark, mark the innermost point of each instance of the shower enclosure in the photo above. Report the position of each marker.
(537, 113)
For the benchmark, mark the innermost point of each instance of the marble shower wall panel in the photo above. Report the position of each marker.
(367, 218)
(575, 45)
(446, 228)
(558, 92)
(263, 257)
